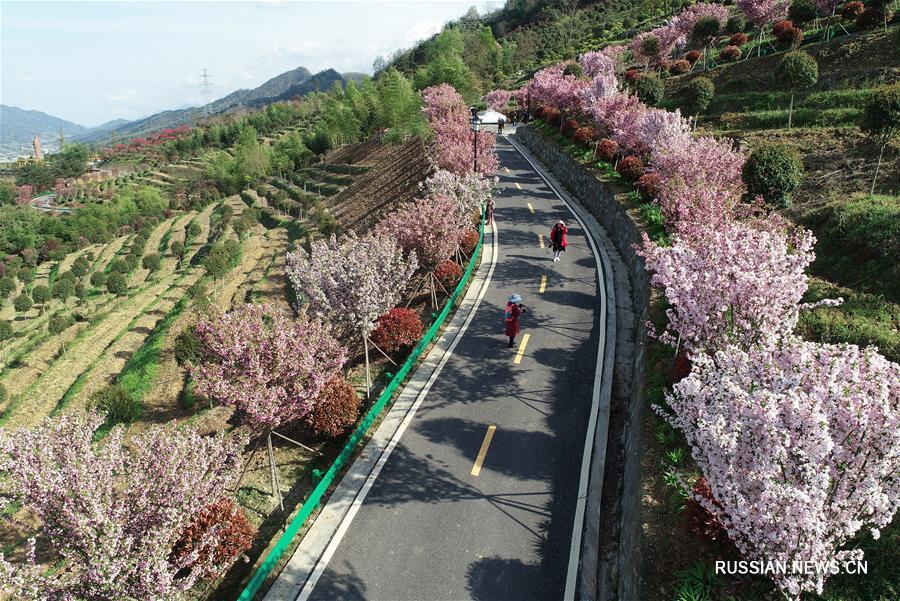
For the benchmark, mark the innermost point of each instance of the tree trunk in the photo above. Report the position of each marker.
(877, 167)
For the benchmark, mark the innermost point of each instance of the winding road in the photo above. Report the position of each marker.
(475, 493)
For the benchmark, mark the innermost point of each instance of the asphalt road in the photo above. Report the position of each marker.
(429, 529)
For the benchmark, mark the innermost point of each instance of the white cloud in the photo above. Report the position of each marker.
(128, 97)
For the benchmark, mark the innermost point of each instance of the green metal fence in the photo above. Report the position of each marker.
(315, 498)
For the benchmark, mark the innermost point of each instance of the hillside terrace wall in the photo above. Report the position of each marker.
(618, 544)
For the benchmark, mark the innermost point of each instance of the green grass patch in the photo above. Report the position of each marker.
(54, 273)
(859, 242)
(802, 117)
(863, 319)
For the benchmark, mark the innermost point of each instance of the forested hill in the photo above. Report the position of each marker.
(478, 53)
(19, 126)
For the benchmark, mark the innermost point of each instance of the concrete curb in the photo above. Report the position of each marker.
(293, 578)
(589, 552)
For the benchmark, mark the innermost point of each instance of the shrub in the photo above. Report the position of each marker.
(6, 330)
(869, 18)
(700, 521)
(116, 284)
(852, 10)
(648, 186)
(118, 404)
(151, 262)
(790, 36)
(649, 89)
(40, 294)
(335, 410)
(735, 24)
(731, 53)
(705, 30)
(468, 242)
(693, 56)
(22, 303)
(400, 327)
(118, 266)
(631, 75)
(607, 150)
(585, 135)
(7, 286)
(3, 393)
(573, 69)
(98, 279)
(680, 67)
(650, 46)
(802, 11)
(58, 323)
(552, 116)
(187, 347)
(697, 95)
(570, 127)
(233, 530)
(448, 274)
(738, 39)
(631, 168)
(775, 172)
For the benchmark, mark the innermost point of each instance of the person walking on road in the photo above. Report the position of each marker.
(558, 239)
(500, 123)
(514, 308)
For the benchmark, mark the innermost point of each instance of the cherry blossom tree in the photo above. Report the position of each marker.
(552, 87)
(24, 194)
(352, 282)
(454, 143)
(267, 365)
(601, 61)
(800, 446)
(113, 512)
(741, 286)
(764, 12)
(700, 184)
(498, 99)
(470, 191)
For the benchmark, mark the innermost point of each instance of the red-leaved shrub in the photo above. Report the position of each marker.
(738, 39)
(785, 32)
(731, 53)
(681, 368)
(336, 408)
(553, 116)
(398, 328)
(631, 75)
(448, 274)
(607, 150)
(570, 127)
(648, 186)
(630, 168)
(693, 56)
(699, 520)
(869, 18)
(234, 533)
(468, 241)
(852, 10)
(680, 67)
(585, 135)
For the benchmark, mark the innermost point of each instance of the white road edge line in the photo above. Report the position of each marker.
(578, 525)
(322, 563)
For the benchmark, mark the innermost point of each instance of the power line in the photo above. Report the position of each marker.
(206, 87)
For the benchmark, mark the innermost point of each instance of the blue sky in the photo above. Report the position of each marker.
(91, 62)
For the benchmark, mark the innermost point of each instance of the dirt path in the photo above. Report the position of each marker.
(109, 252)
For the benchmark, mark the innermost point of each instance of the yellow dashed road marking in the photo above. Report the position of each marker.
(522, 346)
(476, 469)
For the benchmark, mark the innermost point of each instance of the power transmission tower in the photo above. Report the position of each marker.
(206, 87)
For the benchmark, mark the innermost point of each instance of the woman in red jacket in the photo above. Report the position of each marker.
(558, 239)
(514, 308)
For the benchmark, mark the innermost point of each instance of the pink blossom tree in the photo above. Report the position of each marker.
(470, 191)
(351, 282)
(454, 147)
(497, 100)
(113, 512)
(24, 194)
(741, 286)
(552, 87)
(700, 184)
(764, 12)
(799, 444)
(601, 61)
(266, 364)
(429, 227)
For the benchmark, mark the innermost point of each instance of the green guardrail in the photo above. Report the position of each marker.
(315, 498)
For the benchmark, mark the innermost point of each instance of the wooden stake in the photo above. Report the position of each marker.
(299, 444)
(274, 473)
(368, 376)
(386, 356)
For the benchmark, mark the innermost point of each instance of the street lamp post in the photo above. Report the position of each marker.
(474, 124)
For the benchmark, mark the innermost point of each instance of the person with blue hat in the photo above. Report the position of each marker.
(514, 308)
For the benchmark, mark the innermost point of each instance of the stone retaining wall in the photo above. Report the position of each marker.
(619, 512)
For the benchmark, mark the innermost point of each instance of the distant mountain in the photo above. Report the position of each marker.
(19, 126)
(320, 82)
(354, 76)
(281, 87)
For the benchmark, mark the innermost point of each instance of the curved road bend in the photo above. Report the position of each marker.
(430, 530)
